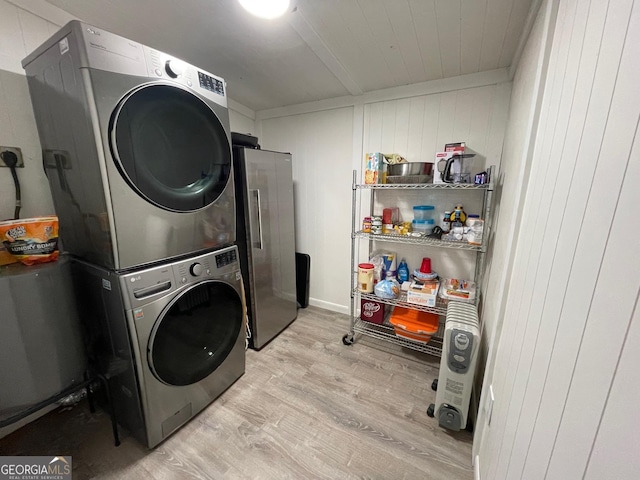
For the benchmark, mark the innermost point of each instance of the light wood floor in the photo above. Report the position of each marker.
(307, 407)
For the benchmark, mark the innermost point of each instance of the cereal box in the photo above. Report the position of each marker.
(375, 170)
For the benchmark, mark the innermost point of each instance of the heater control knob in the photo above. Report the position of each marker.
(173, 68)
(196, 269)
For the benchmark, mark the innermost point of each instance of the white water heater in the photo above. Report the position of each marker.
(457, 367)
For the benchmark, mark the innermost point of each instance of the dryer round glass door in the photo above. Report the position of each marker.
(170, 147)
(195, 333)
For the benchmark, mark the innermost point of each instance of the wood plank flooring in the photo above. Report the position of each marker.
(307, 407)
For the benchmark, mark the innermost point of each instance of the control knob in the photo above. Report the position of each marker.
(173, 68)
(196, 269)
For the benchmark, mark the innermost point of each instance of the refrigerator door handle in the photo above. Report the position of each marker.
(256, 229)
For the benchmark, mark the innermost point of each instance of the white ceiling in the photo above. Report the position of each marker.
(324, 49)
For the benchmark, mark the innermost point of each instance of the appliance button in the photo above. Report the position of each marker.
(208, 271)
(158, 72)
(196, 269)
(458, 358)
(189, 83)
(183, 280)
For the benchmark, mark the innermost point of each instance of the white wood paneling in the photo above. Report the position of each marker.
(557, 281)
(617, 174)
(449, 36)
(510, 195)
(418, 127)
(496, 22)
(321, 145)
(415, 127)
(614, 455)
(566, 312)
(542, 231)
(425, 23)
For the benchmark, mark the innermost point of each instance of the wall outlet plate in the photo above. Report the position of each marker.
(15, 150)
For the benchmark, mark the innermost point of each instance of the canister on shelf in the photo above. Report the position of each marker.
(376, 224)
(476, 227)
(365, 277)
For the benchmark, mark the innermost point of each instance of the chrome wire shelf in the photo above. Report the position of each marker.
(436, 186)
(387, 333)
(434, 242)
(439, 309)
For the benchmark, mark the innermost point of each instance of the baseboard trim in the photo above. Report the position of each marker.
(334, 307)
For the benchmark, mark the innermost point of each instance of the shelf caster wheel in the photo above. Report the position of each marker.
(431, 411)
(434, 385)
(347, 339)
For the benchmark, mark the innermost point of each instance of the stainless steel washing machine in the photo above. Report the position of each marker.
(170, 339)
(136, 146)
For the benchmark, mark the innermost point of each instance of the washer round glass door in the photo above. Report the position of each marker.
(195, 333)
(170, 147)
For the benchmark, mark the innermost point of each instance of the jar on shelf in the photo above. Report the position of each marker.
(366, 225)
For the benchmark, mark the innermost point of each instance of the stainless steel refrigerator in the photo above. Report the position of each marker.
(266, 239)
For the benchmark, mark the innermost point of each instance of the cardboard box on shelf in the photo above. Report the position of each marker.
(371, 311)
(423, 293)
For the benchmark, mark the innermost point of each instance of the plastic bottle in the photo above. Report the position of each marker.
(446, 222)
(403, 271)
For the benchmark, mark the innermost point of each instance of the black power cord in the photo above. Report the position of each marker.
(10, 159)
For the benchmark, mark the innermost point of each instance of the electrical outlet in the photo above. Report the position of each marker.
(15, 150)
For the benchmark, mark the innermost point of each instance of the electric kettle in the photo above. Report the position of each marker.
(457, 169)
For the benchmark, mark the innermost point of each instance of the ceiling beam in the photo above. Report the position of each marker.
(317, 45)
(472, 80)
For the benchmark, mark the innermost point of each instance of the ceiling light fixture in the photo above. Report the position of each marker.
(266, 8)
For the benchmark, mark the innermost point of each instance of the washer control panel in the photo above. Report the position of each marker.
(147, 285)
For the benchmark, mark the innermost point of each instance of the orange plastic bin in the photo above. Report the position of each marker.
(413, 324)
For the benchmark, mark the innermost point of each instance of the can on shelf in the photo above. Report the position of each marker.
(365, 277)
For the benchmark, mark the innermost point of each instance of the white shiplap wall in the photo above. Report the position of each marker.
(328, 145)
(563, 409)
(416, 128)
(514, 174)
(20, 33)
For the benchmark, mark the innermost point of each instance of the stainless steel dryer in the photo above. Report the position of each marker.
(170, 338)
(136, 146)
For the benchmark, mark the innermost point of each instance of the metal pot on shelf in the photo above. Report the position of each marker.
(411, 168)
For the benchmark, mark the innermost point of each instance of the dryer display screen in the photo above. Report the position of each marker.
(210, 83)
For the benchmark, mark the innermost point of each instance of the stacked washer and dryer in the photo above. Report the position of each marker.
(137, 150)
